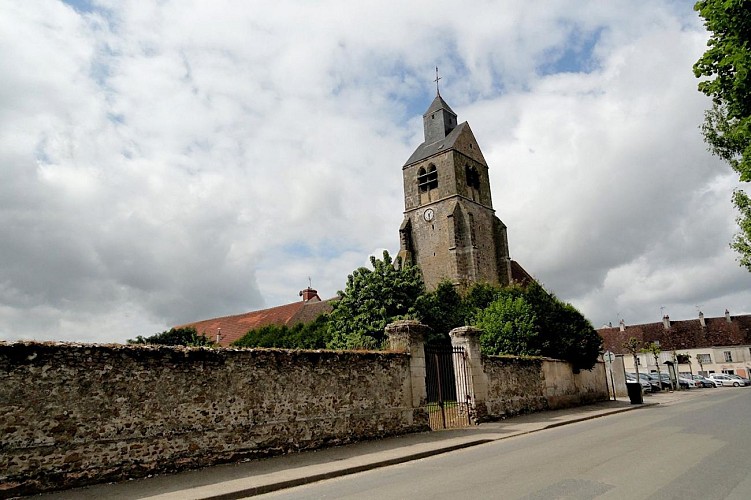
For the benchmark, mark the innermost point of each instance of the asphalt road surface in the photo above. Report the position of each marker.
(695, 448)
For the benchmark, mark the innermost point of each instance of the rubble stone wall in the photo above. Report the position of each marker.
(73, 414)
(525, 385)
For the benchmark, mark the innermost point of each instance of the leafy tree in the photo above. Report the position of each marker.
(653, 348)
(726, 65)
(175, 336)
(442, 310)
(372, 299)
(633, 346)
(509, 326)
(574, 339)
(313, 335)
(555, 329)
(479, 296)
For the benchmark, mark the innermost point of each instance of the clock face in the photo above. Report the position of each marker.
(428, 215)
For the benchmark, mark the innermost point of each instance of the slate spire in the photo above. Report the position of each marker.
(439, 120)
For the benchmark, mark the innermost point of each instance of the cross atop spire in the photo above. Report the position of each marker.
(437, 90)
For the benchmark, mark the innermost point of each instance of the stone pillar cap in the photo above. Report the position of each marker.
(465, 331)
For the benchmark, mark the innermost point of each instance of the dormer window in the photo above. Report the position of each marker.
(427, 179)
(473, 177)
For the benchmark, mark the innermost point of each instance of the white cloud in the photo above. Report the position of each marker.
(169, 161)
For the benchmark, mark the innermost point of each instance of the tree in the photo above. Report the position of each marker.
(175, 336)
(685, 359)
(372, 299)
(481, 295)
(632, 345)
(509, 326)
(654, 349)
(726, 65)
(564, 332)
(442, 310)
(574, 339)
(313, 335)
(558, 330)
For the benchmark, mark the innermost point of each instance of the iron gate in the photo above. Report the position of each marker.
(447, 386)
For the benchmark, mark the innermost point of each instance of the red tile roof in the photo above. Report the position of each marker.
(686, 334)
(519, 274)
(234, 327)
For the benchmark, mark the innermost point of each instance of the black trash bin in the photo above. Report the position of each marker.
(634, 393)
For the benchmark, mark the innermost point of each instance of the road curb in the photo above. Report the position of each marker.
(408, 457)
(590, 417)
(290, 483)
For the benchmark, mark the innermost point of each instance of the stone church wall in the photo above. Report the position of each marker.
(74, 414)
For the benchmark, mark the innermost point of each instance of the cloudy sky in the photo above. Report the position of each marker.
(168, 161)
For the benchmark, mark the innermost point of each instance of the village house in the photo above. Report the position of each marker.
(698, 346)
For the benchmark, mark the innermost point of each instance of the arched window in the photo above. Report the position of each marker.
(427, 180)
(473, 177)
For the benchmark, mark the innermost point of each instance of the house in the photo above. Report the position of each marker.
(227, 329)
(698, 346)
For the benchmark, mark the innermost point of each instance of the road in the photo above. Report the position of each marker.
(695, 448)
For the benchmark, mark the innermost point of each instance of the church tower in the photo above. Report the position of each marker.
(450, 229)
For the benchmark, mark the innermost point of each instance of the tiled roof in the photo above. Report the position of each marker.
(686, 334)
(234, 327)
(519, 274)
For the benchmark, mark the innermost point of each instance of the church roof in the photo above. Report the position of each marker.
(520, 275)
(426, 150)
(437, 104)
(235, 327)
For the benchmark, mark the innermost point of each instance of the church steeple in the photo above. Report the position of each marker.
(450, 229)
(439, 120)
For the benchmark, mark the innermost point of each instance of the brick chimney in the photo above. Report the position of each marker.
(309, 294)
(701, 320)
(727, 316)
(666, 321)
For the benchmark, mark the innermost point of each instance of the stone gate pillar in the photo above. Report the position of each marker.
(468, 337)
(409, 336)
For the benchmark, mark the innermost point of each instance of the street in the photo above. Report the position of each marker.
(697, 447)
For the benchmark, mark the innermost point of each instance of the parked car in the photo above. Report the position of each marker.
(664, 380)
(656, 386)
(688, 382)
(743, 381)
(645, 385)
(725, 379)
(705, 382)
(683, 382)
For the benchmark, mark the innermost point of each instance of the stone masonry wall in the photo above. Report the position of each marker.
(515, 385)
(525, 385)
(75, 414)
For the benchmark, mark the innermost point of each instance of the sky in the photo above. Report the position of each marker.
(168, 161)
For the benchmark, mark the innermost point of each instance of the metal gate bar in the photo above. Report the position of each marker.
(447, 386)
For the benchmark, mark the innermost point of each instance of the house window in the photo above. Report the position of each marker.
(704, 359)
(427, 180)
(728, 356)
